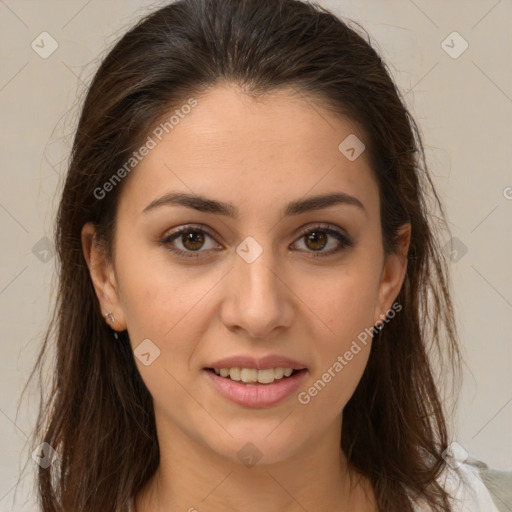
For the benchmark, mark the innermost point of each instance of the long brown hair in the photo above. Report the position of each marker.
(98, 413)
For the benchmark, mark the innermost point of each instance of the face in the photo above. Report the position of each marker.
(261, 280)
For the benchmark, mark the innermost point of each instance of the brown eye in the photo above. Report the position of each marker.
(316, 240)
(192, 240)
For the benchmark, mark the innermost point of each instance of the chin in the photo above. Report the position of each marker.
(250, 447)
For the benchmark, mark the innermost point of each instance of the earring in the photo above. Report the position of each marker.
(110, 317)
(377, 329)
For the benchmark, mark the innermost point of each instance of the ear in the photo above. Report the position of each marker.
(393, 274)
(103, 278)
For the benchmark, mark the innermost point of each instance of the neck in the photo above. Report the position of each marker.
(192, 477)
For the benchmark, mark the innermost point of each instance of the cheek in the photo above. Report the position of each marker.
(156, 295)
(167, 304)
(342, 353)
(343, 341)
(326, 394)
(344, 302)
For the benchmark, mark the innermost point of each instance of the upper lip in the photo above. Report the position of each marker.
(261, 363)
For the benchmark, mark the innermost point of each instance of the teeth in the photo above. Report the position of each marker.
(248, 374)
(265, 376)
(251, 375)
(234, 373)
(278, 373)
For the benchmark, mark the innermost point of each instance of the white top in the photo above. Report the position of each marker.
(468, 491)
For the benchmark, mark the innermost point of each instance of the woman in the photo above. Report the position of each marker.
(250, 281)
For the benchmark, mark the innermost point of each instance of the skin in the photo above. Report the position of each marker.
(258, 155)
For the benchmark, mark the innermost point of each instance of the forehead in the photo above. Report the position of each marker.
(258, 153)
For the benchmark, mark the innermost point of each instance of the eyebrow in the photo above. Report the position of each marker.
(204, 204)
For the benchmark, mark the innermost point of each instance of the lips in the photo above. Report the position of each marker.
(257, 395)
(290, 374)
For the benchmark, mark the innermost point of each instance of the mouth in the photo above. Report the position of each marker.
(254, 376)
(256, 388)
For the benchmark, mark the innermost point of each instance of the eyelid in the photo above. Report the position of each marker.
(331, 230)
(324, 226)
(168, 237)
(344, 241)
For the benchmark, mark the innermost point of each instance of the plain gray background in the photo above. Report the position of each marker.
(462, 102)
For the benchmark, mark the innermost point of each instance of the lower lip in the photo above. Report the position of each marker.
(257, 395)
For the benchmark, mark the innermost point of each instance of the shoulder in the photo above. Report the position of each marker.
(468, 492)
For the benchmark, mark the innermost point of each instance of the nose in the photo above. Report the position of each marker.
(259, 300)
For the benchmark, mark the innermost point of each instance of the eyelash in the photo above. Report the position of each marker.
(324, 228)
